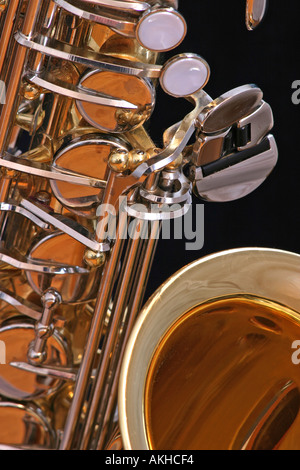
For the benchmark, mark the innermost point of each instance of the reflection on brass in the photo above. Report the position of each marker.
(19, 384)
(24, 426)
(30, 91)
(61, 248)
(223, 378)
(89, 159)
(127, 48)
(229, 108)
(255, 11)
(30, 123)
(61, 406)
(132, 89)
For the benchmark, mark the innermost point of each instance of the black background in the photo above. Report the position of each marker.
(269, 57)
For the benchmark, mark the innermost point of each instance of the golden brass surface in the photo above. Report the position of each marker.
(22, 385)
(215, 367)
(24, 426)
(118, 160)
(61, 248)
(218, 379)
(90, 160)
(109, 119)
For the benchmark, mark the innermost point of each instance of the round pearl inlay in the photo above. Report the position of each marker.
(161, 30)
(184, 76)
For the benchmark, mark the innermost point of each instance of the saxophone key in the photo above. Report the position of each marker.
(23, 306)
(161, 29)
(26, 427)
(229, 108)
(120, 5)
(44, 328)
(59, 248)
(238, 174)
(80, 93)
(260, 122)
(19, 384)
(184, 75)
(117, 118)
(243, 126)
(86, 156)
(88, 58)
(63, 373)
(158, 28)
(255, 12)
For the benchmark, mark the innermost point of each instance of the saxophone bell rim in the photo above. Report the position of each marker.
(259, 272)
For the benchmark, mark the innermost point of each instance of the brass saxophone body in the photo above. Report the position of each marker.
(83, 195)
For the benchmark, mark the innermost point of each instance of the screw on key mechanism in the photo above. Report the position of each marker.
(44, 328)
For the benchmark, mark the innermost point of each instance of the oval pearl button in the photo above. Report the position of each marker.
(184, 76)
(161, 30)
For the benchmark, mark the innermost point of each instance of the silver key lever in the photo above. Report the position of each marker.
(238, 174)
(158, 27)
(233, 154)
(37, 353)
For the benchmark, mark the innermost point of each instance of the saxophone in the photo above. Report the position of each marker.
(84, 195)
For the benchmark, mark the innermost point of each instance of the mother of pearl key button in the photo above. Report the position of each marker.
(184, 75)
(161, 30)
